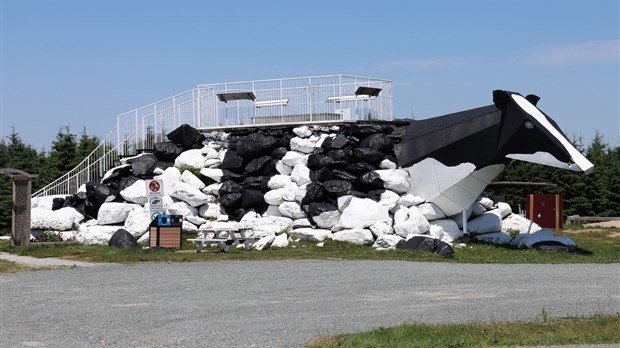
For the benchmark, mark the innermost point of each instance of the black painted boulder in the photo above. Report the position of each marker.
(185, 135)
(369, 181)
(257, 165)
(142, 165)
(255, 200)
(255, 145)
(314, 193)
(167, 151)
(429, 244)
(232, 161)
(122, 239)
(368, 155)
(337, 188)
(379, 142)
(58, 203)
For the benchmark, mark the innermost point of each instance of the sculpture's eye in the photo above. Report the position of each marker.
(529, 125)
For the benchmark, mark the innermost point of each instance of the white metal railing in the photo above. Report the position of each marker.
(303, 100)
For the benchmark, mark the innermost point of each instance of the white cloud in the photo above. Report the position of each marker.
(598, 52)
(432, 64)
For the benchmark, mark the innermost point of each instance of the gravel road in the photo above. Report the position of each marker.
(282, 303)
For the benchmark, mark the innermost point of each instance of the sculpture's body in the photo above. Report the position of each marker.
(452, 158)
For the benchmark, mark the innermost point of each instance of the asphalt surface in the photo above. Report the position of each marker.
(282, 303)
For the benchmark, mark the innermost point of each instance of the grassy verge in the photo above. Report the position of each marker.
(594, 246)
(568, 331)
(12, 267)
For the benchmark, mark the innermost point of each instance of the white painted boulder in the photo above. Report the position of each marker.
(488, 222)
(387, 242)
(190, 158)
(280, 241)
(181, 208)
(135, 193)
(188, 193)
(95, 234)
(446, 229)
(278, 181)
(409, 199)
(303, 145)
(358, 236)
(212, 173)
(396, 180)
(56, 220)
(265, 242)
(363, 212)
(291, 210)
(300, 174)
(114, 212)
(311, 234)
(292, 158)
(431, 211)
(516, 222)
(327, 219)
(137, 222)
(302, 132)
(189, 178)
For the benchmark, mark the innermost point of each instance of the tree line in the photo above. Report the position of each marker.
(67, 151)
(597, 194)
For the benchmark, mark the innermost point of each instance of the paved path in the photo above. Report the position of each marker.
(282, 303)
(50, 262)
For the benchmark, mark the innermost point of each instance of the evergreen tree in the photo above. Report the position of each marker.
(86, 145)
(63, 156)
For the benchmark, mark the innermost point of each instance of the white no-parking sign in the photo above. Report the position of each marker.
(155, 196)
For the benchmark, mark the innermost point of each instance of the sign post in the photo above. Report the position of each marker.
(155, 196)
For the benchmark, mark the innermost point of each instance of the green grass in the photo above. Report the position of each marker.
(567, 331)
(12, 267)
(594, 246)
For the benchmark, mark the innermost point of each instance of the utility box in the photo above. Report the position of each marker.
(165, 231)
(545, 210)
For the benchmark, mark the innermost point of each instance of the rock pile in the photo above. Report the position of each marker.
(285, 184)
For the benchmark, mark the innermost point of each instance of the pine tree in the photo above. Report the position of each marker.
(63, 156)
(86, 145)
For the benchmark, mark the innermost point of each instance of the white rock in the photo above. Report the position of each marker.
(327, 219)
(280, 241)
(322, 138)
(190, 158)
(303, 145)
(292, 158)
(409, 199)
(477, 209)
(197, 220)
(114, 212)
(301, 223)
(272, 210)
(388, 241)
(274, 197)
(57, 220)
(210, 211)
(387, 164)
(416, 216)
(487, 203)
(389, 199)
(499, 238)
(189, 178)
(301, 174)
(213, 189)
(485, 223)
(302, 132)
(135, 193)
(363, 212)
(431, 211)
(283, 168)
(145, 237)
(359, 236)
(300, 193)
(113, 170)
(401, 214)
(278, 181)
(265, 242)
(188, 193)
(189, 227)
(544, 235)
(343, 202)
(291, 210)
(212, 173)
(516, 222)
(95, 234)
(289, 192)
(450, 230)
(396, 180)
(169, 176)
(181, 208)
(311, 234)
(137, 222)
(504, 209)
(44, 202)
(210, 151)
(406, 228)
(337, 228)
(263, 226)
(381, 228)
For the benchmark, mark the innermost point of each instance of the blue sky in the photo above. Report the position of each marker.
(80, 63)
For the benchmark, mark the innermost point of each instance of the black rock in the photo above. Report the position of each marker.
(231, 201)
(255, 145)
(117, 173)
(257, 165)
(337, 188)
(428, 244)
(185, 135)
(122, 239)
(362, 131)
(143, 164)
(372, 156)
(337, 143)
(359, 194)
(317, 161)
(126, 182)
(279, 152)
(321, 175)
(232, 161)
(379, 142)
(314, 193)
(369, 181)
(317, 208)
(58, 203)
(375, 195)
(102, 194)
(338, 165)
(360, 168)
(255, 200)
(167, 151)
(340, 155)
(229, 175)
(259, 183)
(229, 186)
(270, 169)
(339, 174)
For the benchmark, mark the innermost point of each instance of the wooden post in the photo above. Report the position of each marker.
(22, 187)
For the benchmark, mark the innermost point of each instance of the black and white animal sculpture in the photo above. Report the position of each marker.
(452, 158)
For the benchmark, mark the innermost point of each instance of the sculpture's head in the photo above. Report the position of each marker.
(528, 134)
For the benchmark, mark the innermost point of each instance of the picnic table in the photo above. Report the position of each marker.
(224, 237)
